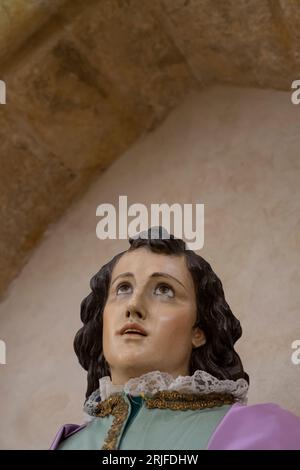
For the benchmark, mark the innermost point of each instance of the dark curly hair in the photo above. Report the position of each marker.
(214, 316)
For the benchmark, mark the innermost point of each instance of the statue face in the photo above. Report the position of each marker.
(153, 294)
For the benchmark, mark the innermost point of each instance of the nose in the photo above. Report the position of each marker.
(136, 308)
(133, 313)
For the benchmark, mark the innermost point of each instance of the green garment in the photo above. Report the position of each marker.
(148, 429)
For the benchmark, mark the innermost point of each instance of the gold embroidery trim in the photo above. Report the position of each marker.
(116, 405)
(188, 401)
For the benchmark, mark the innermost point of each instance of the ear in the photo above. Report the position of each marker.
(198, 337)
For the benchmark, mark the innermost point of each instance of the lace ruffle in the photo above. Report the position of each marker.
(148, 384)
(200, 382)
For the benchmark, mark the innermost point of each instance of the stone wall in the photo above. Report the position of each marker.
(237, 151)
(86, 79)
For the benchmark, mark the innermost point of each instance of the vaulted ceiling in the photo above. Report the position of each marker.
(85, 79)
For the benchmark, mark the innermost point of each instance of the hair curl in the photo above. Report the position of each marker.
(214, 316)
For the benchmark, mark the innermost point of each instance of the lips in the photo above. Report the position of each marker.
(133, 328)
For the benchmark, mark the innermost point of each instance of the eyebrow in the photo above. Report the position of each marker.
(153, 275)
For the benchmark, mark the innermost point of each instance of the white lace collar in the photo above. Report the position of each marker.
(200, 382)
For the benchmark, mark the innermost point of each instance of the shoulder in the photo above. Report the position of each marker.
(257, 427)
(64, 432)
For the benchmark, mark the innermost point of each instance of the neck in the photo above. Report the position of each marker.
(121, 377)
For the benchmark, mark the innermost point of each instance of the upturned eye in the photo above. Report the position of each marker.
(165, 290)
(123, 288)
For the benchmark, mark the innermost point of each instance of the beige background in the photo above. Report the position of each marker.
(235, 150)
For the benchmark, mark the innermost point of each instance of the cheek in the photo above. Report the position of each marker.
(109, 315)
(175, 326)
(108, 329)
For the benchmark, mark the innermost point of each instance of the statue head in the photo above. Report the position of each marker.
(157, 306)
